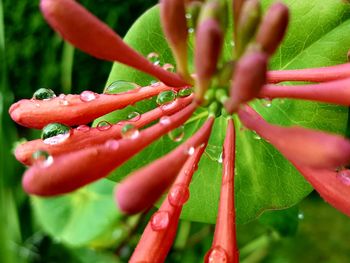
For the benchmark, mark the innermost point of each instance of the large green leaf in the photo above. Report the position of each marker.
(80, 218)
(318, 35)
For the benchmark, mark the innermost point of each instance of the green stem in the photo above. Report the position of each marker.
(67, 67)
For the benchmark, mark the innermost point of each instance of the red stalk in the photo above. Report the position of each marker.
(322, 74)
(154, 245)
(142, 188)
(76, 169)
(86, 32)
(310, 148)
(225, 244)
(71, 110)
(80, 139)
(337, 92)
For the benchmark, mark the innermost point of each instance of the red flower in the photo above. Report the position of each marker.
(82, 155)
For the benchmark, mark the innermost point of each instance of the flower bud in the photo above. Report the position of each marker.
(273, 27)
(249, 78)
(247, 24)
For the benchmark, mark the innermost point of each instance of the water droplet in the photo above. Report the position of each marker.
(134, 116)
(217, 255)
(44, 94)
(220, 159)
(185, 92)
(160, 220)
(112, 144)
(232, 43)
(191, 30)
(169, 67)
(177, 134)
(267, 102)
(153, 57)
(168, 106)
(178, 195)
(165, 120)
(83, 128)
(40, 155)
(166, 97)
(130, 131)
(121, 86)
(344, 177)
(190, 150)
(155, 83)
(300, 215)
(188, 16)
(55, 133)
(87, 96)
(103, 126)
(256, 136)
(63, 100)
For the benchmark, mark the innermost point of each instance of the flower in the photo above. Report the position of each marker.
(68, 158)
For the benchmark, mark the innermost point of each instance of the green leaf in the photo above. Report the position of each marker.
(317, 36)
(79, 218)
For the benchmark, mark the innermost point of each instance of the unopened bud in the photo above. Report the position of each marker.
(209, 40)
(249, 78)
(174, 24)
(247, 24)
(273, 27)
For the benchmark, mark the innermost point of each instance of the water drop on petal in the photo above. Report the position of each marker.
(130, 131)
(43, 158)
(191, 30)
(57, 139)
(134, 116)
(217, 255)
(178, 195)
(121, 86)
(188, 16)
(165, 97)
(87, 96)
(83, 128)
(165, 120)
(169, 67)
(160, 220)
(112, 144)
(103, 126)
(44, 94)
(177, 134)
(55, 133)
(153, 57)
(185, 92)
(344, 177)
(190, 150)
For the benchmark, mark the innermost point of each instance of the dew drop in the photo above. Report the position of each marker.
(63, 100)
(43, 158)
(120, 86)
(188, 16)
(160, 220)
(103, 126)
(301, 216)
(177, 134)
(217, 255)
(185, 92)
(112, 144)
(344, 177)
(44, 94)
(83, 128)
(130, 131)
(166, 97)
(168, 106)
(191, 30)
(88, 96)
(153, 57)
(257, 136)
(155, 83)
(169, 67)
(267, 102)
(134, 116)
(55, 133)
(232, 43)
(178, 195)
(190, 150)
(165, 120)
(220, 159)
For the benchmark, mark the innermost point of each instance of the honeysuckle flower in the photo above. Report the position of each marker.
(72, 154)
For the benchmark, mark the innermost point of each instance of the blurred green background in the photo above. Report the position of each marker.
(32, 57)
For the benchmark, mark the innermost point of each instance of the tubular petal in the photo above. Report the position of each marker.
(155, 245)
(337, 92)
(72, 110)
(248, 79)
(76, 169)
(310, 74)
(310, 148)
(225, 230)
(146, 188)
(86, 32)
(80, 139)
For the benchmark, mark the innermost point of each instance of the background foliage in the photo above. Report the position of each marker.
(32, 56)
